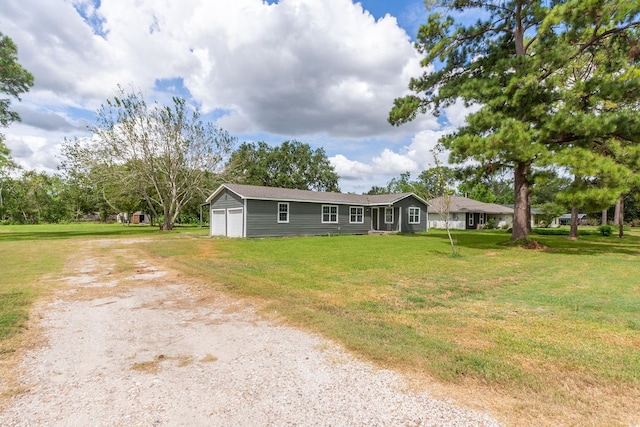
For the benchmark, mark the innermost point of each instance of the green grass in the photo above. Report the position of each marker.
(28, 253)
(23, 266)
(533, 321)
(70, 231)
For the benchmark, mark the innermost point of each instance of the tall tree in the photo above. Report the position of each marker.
(437, 180)
(403, 184)
(162, 155)
(14, 80)
(289, 165)
(513, 63)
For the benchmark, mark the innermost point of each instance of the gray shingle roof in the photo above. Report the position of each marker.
(463, 204)
(288, 194)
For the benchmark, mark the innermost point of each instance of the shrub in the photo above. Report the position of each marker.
(605, 229)
(561, 232)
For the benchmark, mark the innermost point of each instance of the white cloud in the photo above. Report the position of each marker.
(390, 163)
(302, 67)
(414, 158)
(34, 152)
(314, 70)
(297, 67)
(350, 169)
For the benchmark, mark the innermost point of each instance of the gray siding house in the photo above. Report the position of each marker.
(254, 211)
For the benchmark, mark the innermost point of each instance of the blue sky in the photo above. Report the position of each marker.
(323, 72)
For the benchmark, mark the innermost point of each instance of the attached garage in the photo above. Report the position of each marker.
(227, 222)
(218, 222)
(234, 222)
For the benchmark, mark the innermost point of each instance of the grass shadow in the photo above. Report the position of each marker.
(553, 244)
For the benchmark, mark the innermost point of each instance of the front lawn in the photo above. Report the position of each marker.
(546, 336)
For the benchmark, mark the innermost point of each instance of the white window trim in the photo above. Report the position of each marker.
(288, 213)
(385, 215)
(470, 220)
(322, 214)
(416, 215)
(481, 220)
(362, 214)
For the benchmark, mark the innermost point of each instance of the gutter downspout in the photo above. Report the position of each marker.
(427, 219)
(244, 219)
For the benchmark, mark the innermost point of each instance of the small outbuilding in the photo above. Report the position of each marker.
(256, 211)
(138, 217)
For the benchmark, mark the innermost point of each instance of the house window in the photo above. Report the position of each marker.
(283, 212)
(414, 215)
(329, 214)
(356, 215)
(388, 215)
(481, 219)
(471, 219)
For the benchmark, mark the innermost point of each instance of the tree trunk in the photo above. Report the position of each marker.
(604, 217)
(522, 209)
(619, 216)
(166, 225)
(573, 233)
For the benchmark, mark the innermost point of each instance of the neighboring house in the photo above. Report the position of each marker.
(538, 221)
(537, 218)
(566, 219)
(468, 214)
(255, 211)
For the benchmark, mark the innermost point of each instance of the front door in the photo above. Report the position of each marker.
(474, 220)
(375, 222)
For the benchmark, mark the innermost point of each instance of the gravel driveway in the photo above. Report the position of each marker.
(145, 348)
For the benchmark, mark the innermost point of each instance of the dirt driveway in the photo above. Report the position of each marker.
(142, 346)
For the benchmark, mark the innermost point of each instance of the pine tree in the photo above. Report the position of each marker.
(516, 63)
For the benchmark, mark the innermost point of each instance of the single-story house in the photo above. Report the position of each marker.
(566, 219)
(537, 215)
(537, 218)
(468, 214)
(255, 211)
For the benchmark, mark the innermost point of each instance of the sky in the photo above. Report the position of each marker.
(322, 72)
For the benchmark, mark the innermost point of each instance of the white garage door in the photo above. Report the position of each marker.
(218, 222)
(234, 222)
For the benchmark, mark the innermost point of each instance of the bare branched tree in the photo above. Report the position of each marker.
(444, 208)
(163, 155)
